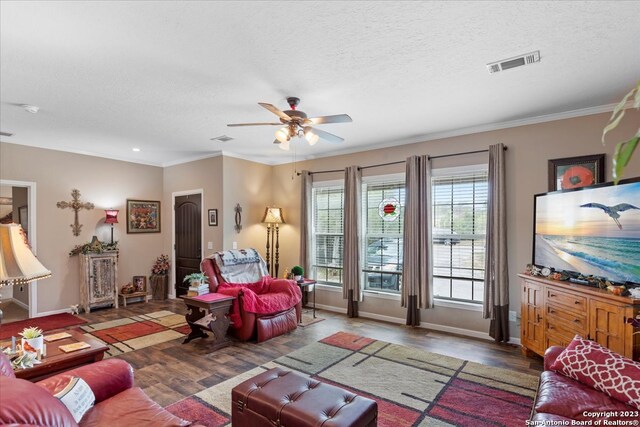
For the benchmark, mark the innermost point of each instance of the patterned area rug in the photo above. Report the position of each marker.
(412, 387)
(136, 332)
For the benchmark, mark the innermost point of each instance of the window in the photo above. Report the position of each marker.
(327, 236)
(458, 234)
(382, 242)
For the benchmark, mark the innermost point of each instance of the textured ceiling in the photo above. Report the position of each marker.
(168, 76)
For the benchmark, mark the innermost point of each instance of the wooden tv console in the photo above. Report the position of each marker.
(553, 312)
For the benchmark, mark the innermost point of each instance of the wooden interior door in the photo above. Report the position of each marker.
(188, 238)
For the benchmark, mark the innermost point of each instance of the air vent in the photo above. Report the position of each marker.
(516, 61)
(5, 134)
(222, 138)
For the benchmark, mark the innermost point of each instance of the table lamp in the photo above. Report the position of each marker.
(111, 218)
(18, 265)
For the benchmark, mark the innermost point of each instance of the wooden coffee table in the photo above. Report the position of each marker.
(57, 361)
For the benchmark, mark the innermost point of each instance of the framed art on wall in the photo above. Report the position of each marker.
(143, 216)
(213, 217)
(576, 172)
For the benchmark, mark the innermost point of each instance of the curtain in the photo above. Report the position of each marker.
(351, 289)
(416, 287)
(305, 221)
(496, 274)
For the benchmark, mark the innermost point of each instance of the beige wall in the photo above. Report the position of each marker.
(248, 184)
(106, 184)
(529, 149)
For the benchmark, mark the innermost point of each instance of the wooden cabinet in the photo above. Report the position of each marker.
(98, 280)
(554, 312)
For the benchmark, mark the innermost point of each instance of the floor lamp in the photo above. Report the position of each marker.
(18, 265)
(273, 217)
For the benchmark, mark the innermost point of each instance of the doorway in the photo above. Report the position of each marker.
(18, 205)
(187, 236)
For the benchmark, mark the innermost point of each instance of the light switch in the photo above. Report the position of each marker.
(235, 245)
(209, 245)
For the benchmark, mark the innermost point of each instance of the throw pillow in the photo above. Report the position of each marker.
(77, 396)
(596, 366)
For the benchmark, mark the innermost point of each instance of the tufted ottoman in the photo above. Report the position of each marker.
(283, 398)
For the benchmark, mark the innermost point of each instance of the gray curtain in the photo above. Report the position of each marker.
(416, 287)
(496, 273)
(351, 289)
(305, 221)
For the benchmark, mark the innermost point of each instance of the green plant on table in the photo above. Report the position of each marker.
(196, 277)
(30, 333)
(297, 270)
(624, 149)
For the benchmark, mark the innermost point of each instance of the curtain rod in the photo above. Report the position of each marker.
(403, 161)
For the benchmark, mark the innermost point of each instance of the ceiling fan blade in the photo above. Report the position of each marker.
(275, 111)
(254, 124)
(338, 118)
(329, 137)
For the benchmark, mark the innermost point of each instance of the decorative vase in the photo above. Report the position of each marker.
(35, 343)
(297, 278)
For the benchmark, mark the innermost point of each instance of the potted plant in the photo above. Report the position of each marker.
(297, 272)
(32, 339)
(196, 279)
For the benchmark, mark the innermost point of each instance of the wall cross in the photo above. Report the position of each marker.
(76, 205)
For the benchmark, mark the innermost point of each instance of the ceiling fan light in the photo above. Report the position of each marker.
(282, 134)
(284, 145)
(310, 135)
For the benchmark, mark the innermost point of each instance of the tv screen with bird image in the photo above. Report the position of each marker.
(591, 230)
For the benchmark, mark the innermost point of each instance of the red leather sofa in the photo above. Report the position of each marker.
(562, 399)
(118, 402)
(248, 324)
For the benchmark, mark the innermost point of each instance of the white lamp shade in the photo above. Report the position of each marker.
(282, 134)
(310, 135)
(273, 216)
(284, 145)
(18, 265)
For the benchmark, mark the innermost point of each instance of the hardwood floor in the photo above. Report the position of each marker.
(171, 371)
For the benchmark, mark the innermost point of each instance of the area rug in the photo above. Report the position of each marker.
(412, 387)
(308, 320)
(136, 332)
(46, 323)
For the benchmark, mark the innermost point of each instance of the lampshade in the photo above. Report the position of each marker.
(273, 216)
(310, 135)
(18, 265)
(112, 216)
(284, 146)
(282, 134)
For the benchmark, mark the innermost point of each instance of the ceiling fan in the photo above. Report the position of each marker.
(296, 123)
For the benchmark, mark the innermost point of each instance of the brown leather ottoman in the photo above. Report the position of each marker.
(283, 398)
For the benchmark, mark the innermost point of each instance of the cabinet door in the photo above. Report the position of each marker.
(102, 279)
(606, 325)
(532, 335)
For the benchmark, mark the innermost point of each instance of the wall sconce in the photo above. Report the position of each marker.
(273, 217)
(111, 218)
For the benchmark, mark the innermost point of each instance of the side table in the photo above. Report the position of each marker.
(304, 286)
(209, 312)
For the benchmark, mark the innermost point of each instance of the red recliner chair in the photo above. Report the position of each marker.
(265, 307)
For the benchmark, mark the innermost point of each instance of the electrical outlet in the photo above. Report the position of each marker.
(512, 316)
(209, 245)
(235, 245)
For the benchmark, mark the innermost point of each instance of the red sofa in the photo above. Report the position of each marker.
(279, 301)
(561, 398)
(118, 402)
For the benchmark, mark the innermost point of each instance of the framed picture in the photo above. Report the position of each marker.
(576, 172)
(23, 217)
(143, 216)
(213, 217)
(139, 283)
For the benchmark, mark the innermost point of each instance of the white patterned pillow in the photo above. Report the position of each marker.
(598, 367)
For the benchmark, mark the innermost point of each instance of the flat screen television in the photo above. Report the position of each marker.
(592, 230)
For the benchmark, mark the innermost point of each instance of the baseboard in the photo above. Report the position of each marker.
(426, 325)
(49, 313)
